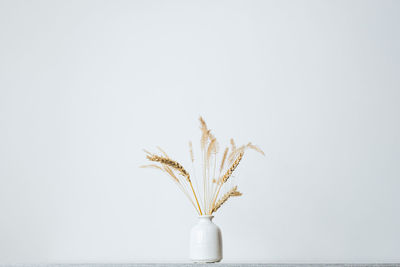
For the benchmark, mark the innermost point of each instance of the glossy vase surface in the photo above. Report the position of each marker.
(205, 241)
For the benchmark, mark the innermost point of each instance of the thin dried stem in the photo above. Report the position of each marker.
(196, 184)
(178, 167)
(212, 148)
(215, 177)
(223, 160)
(170, 172)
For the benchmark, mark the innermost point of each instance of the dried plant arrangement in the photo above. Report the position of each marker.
(206, 193)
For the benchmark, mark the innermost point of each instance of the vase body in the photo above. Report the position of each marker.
(205, 241)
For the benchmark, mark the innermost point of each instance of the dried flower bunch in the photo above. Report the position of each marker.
(204, 193)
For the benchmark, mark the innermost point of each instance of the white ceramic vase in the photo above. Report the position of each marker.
(205, 241)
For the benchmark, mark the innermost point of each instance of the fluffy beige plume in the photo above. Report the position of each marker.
(231, 193)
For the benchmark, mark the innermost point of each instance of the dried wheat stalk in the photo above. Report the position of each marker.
(212, 183)
(171, 163)
(232, 168)
(205, 133)
(225, 178)
(231, 193)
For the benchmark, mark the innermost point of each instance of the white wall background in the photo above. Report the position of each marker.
(85, 85)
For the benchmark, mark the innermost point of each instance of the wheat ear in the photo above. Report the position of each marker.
(231, 193)
(232, 168)
(204, 133)
(242, 149)
(171, 163)
(226, 176)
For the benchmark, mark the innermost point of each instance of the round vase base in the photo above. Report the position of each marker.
(205, 261)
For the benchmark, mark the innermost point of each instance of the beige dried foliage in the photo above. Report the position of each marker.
(231, 193)
(212, 184)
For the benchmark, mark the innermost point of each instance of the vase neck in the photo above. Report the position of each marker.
(204, 218)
